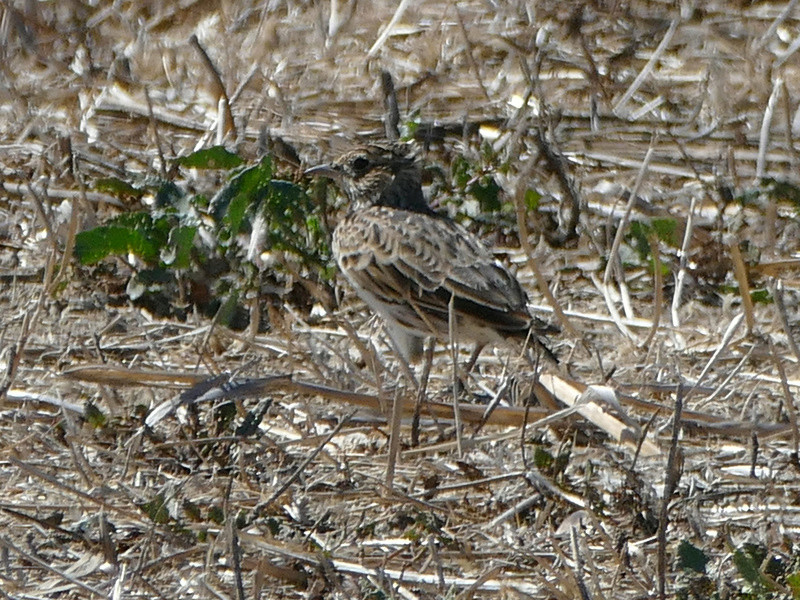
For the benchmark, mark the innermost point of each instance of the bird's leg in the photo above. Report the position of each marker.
(401, 350)
(452, 325)
(534, 345)
(473, 358)
(423, 388)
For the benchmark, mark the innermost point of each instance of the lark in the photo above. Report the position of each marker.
(413, 266)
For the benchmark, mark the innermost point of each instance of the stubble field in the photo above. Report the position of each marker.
(635, 159)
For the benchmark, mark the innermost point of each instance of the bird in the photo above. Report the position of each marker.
(413, 266)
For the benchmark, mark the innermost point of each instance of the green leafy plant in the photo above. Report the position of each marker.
(775, 190)
(156, 509)
(691, 557)
(211, 158)
(641, 232)
(185, 250)
(477, 181)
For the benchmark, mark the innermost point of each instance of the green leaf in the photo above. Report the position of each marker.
(314, 226)
(168, 195)
(461, 172)
(227, 309)
(192, 511)
(129, 233)
(224, 414)
(532, 199)
(117, 187)
(155, 277)
(487, 193)
(748, 568)
(236, 212)
(763, 296)
(284, 198)
(93, 415)
(691, 558)
(156, 509)
(410, 129)
(216, 515)
(178, 251)
(488, 153)
(245, 189)
(782, 190)
(94, 245)
(793, 581)
(640, 233)
(273, 526)
(748, 197)
(666, 230)
(216, 157)
(542, 458)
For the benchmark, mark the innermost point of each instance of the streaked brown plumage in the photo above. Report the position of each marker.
(406, 262)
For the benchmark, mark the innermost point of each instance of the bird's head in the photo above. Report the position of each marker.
(378, 175)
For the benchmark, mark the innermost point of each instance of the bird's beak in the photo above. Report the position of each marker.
(323, 171)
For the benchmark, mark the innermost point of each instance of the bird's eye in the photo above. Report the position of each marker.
(359, 164)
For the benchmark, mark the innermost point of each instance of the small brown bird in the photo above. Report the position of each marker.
(408, 263)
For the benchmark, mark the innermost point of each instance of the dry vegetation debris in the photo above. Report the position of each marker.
(655, 148)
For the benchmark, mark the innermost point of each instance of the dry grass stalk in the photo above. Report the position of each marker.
(645, 72)
(674, 470)
(680, 279)
(740, 271)
(225, 120)
(658, 290)
(387, 31)
(524, 236)
(789, 403)
(766, 123)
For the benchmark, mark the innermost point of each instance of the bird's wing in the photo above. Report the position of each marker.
(407, 259)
